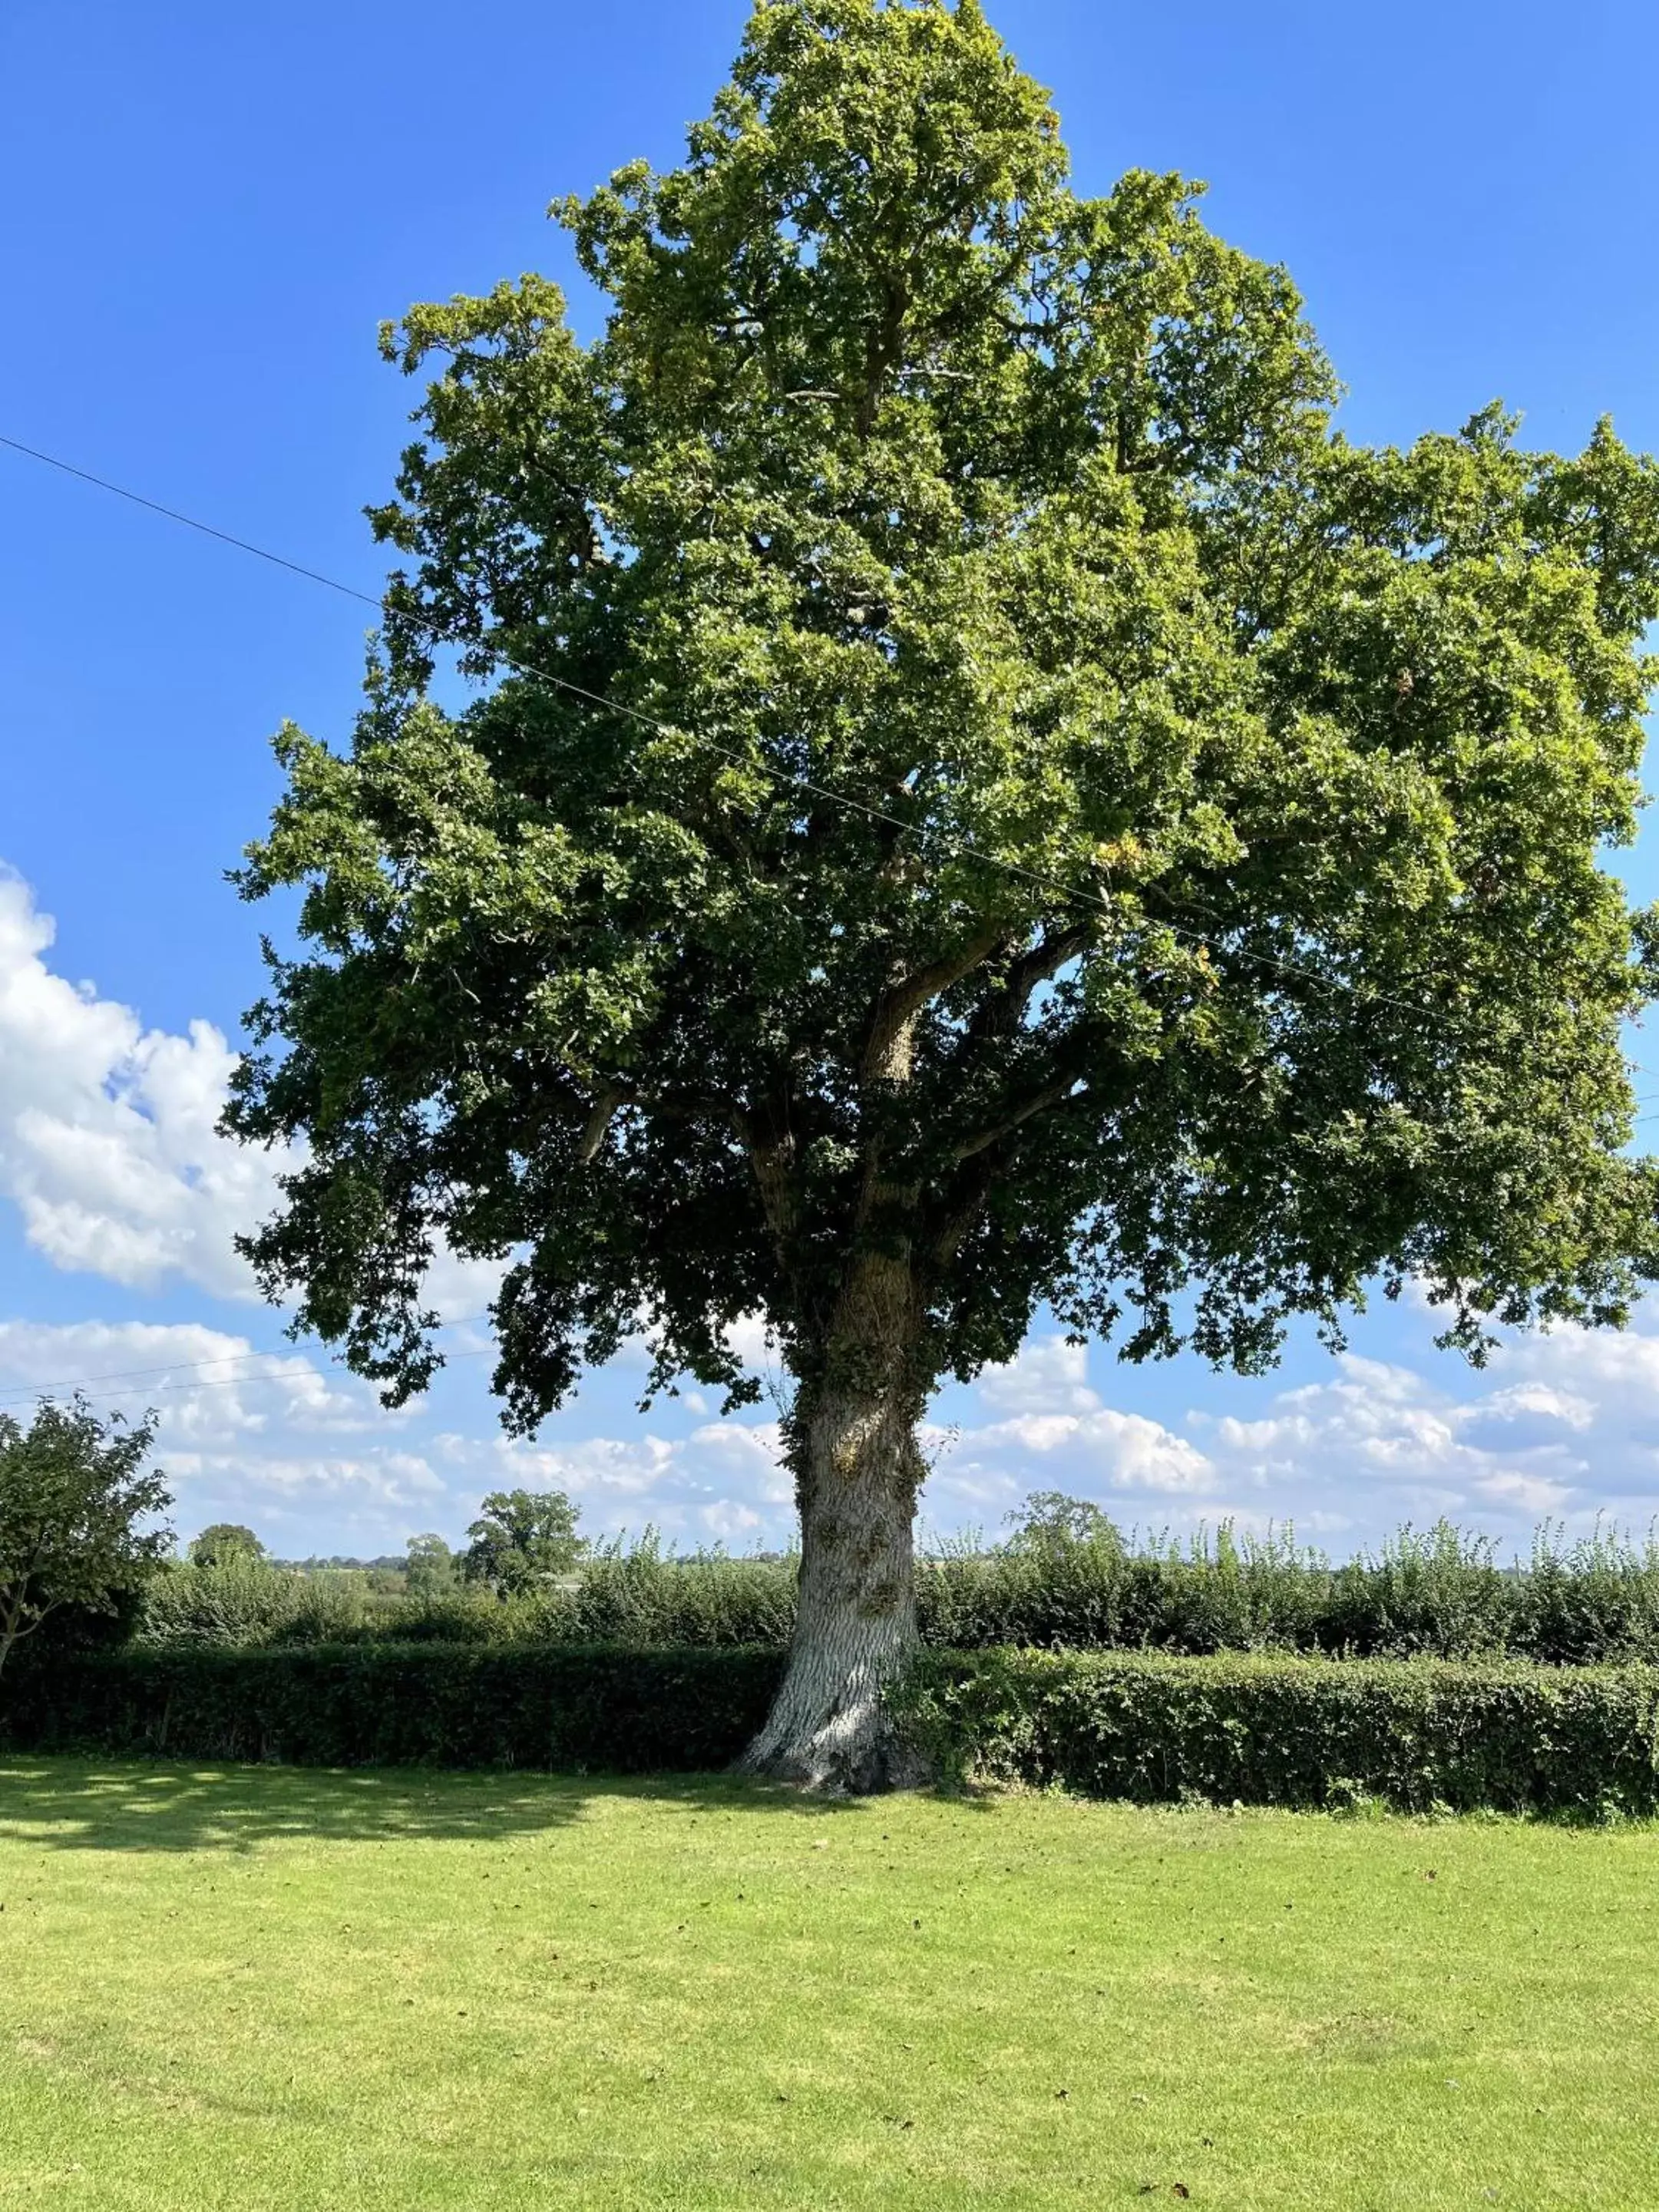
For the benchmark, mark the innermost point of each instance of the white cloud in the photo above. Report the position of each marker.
(209, 1386)
(1048, 1375)
(1532, 1494)
(1538, 1401)
(1055, 1434)
(243, 1434)
(1561, 1426)
(107, 1142)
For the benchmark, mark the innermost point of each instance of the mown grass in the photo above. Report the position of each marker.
(249, 1988)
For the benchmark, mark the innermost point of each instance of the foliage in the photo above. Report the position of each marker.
(1264, 1729)
(225, 1540)
(432, 1572)
(74, 1492)
(1067, 1579)
(374, 1704)
(642, 1595)
(973, 775)
(521, 1540)
(1437, 1592)
(636, 1595)
(247, 1602)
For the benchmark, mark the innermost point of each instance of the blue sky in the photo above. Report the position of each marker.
(210, 210)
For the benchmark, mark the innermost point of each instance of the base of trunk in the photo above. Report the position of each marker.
(852, 1441)
(827, 1730)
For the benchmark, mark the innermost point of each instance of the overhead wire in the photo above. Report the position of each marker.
(222, 1382)
(809, 786)
(961, 847)
(188, 1367)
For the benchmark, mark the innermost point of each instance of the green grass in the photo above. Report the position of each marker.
(248, 1988)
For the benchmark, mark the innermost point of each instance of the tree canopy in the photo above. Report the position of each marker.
(978, 795)
(224, 1542)
(74, 1497)
(520, 1540)
(430, 1571)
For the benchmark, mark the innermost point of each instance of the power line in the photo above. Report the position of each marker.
(192, 1367)
(962, 847)
(232, 1382)
(190, 522)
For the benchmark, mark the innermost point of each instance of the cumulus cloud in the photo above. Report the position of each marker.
(723, 1481)
(107, 1143)
(242, 1433)
(1561, 1426)
(1048, 1375)
(209, 1386)
(306, 1453)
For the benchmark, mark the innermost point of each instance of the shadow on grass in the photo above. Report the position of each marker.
(132, 1805)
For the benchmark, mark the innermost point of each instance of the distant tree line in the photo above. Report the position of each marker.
(85, 1551)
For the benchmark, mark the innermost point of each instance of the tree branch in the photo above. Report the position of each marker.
(1039, 1102)
(905, 997)
(773, 1163)
(612, 1095)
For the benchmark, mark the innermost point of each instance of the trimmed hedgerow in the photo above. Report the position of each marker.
(377, 1704)
(1262, 1728)
(1272, 1729)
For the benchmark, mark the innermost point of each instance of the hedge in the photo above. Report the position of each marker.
(1262, 1729)
(1268, 1730)
(553, 1707)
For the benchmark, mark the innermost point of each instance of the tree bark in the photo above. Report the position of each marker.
(857, 1473)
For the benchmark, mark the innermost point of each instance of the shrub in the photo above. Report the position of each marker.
(637, 1595)
(1272, 1730)
(1070, 1582)
(1066, 1580)
(535, 1707)
(249, 1602)
(1261, 1729)
(644, 1597)
(1062, 1584)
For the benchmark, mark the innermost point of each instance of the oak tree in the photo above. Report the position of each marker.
(521, 1540)
(976, 795)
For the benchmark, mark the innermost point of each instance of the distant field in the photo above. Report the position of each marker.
(250, 1988)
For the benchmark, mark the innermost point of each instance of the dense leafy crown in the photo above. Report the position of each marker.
(1096, 835)
(78, 1513)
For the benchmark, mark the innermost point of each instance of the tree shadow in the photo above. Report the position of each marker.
(141, 1805)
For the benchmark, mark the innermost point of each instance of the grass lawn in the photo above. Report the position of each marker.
(252, 1987)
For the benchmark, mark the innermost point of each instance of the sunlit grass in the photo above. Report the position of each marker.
(252, 1987)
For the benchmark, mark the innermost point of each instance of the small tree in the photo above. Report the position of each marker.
(521, 1540)
(73, 1490)
(431, 1571)
(225, 1540)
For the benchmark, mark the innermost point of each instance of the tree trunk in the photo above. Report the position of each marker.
(856, 1622)
(857, 1472)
